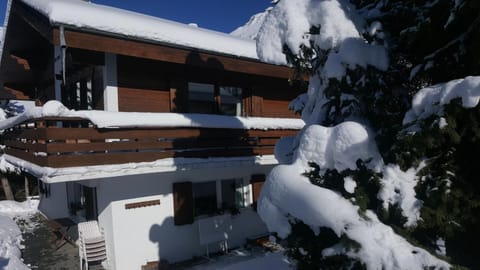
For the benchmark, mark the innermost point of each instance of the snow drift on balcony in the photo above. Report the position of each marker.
(104, 119)
(86, 15)
(288, 194)
(430, 100)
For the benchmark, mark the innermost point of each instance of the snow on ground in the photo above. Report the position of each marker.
(104, 119)
(10, 233)
(90, 16)
(234, 261)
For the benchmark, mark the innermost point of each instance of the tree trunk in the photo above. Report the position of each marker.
(27, 190)
(6, 188)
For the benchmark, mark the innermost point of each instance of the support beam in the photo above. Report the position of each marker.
(6, 188)
(110, 92)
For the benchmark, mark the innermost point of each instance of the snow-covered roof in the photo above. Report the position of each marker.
(100, 18)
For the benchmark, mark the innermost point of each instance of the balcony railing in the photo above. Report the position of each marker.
(70, 142)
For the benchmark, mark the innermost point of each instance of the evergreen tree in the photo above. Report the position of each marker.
(428, 42)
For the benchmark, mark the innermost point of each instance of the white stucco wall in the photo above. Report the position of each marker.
(137, 236)
(55, 205)
(110, 91)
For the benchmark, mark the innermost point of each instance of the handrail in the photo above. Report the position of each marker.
(69, 142)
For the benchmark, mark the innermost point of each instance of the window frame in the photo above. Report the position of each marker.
(220, 209)
(216, 101)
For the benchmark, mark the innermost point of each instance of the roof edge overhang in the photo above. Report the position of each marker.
(102, 41)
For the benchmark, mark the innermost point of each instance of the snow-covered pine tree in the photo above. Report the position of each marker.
(367, 60)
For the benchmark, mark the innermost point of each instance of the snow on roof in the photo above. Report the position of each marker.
(86, 15)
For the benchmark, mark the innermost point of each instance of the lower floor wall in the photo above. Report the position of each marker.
(137, 214)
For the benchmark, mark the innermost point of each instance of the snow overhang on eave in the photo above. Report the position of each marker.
(169, 165)
(114, 22)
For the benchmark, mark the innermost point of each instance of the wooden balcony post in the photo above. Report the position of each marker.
(6, 188)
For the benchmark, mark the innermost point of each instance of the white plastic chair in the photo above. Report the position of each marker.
(92, 243)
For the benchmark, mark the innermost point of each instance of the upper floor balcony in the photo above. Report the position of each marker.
(59, 142)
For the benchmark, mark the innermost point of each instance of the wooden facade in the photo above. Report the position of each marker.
(150, 77)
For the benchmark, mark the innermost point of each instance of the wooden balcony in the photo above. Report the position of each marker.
(70, 142)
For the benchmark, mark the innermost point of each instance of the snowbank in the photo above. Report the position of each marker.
(87, 15)
(10, 234)
(104, 119)
(275, 261)
(287, 193)
(430, 100)
(18, 209)
(10, 244)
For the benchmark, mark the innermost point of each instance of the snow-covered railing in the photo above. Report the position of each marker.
(71, 141)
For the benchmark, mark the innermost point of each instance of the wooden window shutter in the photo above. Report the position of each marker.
(256, 106)
(182, 203)
(257, 182)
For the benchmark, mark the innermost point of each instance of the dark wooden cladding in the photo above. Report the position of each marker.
(33, 18)
(257, 182)
(121, 46)
(62, 142)
(142, 204)
(277, 108)
(142, 100)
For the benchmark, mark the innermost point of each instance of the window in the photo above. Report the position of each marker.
(214, 197)
(82, 201)
(205, 198)
(233, 195)
(211, 99)
(231, 101)
(201, 98)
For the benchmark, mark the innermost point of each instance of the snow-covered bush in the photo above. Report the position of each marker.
(370, 185)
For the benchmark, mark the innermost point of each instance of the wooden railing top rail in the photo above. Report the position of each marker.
(71, 142)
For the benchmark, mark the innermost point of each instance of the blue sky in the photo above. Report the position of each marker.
(220, 15)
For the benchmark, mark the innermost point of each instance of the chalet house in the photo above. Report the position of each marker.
(165, 134)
